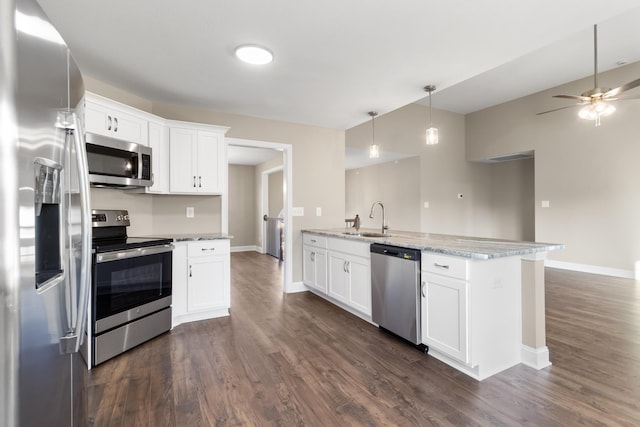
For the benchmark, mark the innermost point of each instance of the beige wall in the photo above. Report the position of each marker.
(589, 175)
(242, 205)
(275, 193)
(384, 182)
(318, 163)
(491, 198)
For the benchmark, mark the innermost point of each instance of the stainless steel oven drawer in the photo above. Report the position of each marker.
(121, 339)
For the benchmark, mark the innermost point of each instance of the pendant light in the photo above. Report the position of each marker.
(432, 133)
(374, 150)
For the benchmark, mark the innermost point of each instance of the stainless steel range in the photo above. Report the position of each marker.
(131, 287)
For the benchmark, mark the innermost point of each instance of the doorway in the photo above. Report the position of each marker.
(265, 158)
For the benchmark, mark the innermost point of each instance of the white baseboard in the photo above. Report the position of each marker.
(296, 287)
(245, 248)
(536, 358)
(593, 269)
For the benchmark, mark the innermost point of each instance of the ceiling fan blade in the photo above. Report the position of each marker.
(623, 88)
(558, 109)
(579, 98)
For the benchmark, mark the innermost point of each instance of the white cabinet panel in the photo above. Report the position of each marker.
(159, 143)
(445, 315)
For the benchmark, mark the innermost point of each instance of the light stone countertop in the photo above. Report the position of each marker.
(463, 246)
(194, 237)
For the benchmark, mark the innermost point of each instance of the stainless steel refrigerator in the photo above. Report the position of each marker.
(44, 224)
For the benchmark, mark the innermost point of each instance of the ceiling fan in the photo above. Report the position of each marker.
(596, 101)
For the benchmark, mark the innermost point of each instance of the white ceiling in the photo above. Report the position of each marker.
(250, 156)
(335, 59)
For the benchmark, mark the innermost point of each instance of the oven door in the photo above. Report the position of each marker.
(130, 284)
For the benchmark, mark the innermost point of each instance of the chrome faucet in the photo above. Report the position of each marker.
(384, 226)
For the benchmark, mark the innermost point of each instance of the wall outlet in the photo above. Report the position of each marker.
(190, 212)
(426, 205)
(299, 211)
(318, 211)
(544, 204)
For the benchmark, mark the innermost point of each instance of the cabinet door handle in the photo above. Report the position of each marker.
(445, 266)
(422, 289)
(190, 272)
(109, 122)
(348, 266)
(313, 256)
(115, 127)
(194, 181)
(200, 181)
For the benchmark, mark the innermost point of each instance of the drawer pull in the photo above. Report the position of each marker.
(208, 249)
(445, 266)
(313, 240)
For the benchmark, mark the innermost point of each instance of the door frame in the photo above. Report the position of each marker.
(287, 176)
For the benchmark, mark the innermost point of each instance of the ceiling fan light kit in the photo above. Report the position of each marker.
(596, 102)
(431, 135)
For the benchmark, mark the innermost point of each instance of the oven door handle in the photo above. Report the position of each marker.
(133, 253)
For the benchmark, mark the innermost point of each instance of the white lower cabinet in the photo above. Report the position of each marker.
(314, 263)
(350, 280)
(471, 312)
(445, 315)
(201, 280)
(339, 270)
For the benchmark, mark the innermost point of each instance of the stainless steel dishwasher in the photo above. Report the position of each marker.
(395, 290)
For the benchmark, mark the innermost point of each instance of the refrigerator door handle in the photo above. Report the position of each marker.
(72, 341)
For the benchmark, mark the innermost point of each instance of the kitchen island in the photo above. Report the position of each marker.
(482, 304)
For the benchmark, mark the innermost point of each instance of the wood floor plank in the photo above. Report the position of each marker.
(296, 359)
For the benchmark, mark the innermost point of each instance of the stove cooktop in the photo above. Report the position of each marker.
(119, 244)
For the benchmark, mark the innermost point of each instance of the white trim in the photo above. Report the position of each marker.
(296, 287)
(536, 358)
(287, 150)
(594, 269)
(199, 315)
(245, 249)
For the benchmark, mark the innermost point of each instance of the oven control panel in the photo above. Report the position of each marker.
(109, 218)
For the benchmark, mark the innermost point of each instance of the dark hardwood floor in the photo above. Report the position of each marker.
(297, 360)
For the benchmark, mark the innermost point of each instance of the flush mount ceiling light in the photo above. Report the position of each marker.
(374, 150)
(596, 102)
(254, 54)
(432, 133)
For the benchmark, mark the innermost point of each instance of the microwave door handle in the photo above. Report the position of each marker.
(74, 339)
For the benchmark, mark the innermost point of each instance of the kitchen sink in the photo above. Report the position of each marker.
(365, 234)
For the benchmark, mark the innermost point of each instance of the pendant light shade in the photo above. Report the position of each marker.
(374, 150)
(431, 135)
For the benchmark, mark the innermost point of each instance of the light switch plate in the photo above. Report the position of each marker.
(190, 212)
(318, 211)
(426, 205)
(544, 204)
(297, 211)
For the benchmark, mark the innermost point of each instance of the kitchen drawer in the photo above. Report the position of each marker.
(314, 240)
(208, 248)
(445, 265)
(352, 247)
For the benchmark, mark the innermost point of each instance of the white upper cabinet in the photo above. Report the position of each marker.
(106, 117)
(197, 158)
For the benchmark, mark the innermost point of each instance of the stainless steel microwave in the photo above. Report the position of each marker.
(117, 163)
